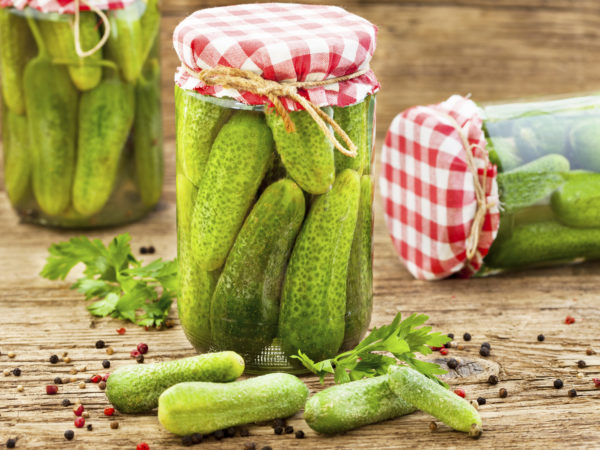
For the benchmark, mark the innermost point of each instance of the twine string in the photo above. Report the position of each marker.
(245, 80)
(76, 31)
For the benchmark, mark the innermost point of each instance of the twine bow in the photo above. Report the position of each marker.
(244, 80)
(480, 186)
(76, 32)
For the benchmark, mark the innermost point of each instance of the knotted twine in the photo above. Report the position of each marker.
(76, 32)
(480, 186)
(245, 80)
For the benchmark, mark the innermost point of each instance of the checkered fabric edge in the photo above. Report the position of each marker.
(64, 6)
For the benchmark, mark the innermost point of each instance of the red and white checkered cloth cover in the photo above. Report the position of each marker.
(428, 190)
(65, 6)
(280, 42)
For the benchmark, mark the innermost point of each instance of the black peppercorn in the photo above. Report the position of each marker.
(58, 380)
(493, 379)
(11, 443)
(139, 359)
(467, 337)
(484, 351)
(197, 438)
(503, 393)
(452, 363)
(267, 447)
(53, 359)
(541, 337)
(219, 434)
(447, 345)
(581, 364)
(16, 372)
(278, 430)
(486, 344)
(151, 250)
(89, 427)
(279, 423)
(143, 250)
(299, 434)
(186, 441)
(100, 343)
(69, 434)
(244, 432)
(558, 383)
(230, 432)
(450, 335)
(66, 402)
(106, 363)
(289, 429)
(572, 393)
(249, 446)
(481, 401)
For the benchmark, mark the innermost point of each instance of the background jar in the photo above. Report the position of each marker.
(252, 235)
(82, 137)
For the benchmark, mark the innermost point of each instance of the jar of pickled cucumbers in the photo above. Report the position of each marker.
(536, 163)
(81, 111)
(275, 112)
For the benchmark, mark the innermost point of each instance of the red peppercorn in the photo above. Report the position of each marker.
(52, 389)
(142, 446)
(96, 379)
(105, 377)
(142, 348)
(109, 411)
(436, 349)
(570, 320)
(79, 422)
(79, 410)
(596, 382)
(444, 351)
(134, 353)
(121, 330)
(460, 392)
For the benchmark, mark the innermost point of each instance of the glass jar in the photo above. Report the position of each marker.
(548, 158)
(82, 136)
(274, 231)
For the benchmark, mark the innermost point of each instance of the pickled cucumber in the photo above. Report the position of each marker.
(126, 45)
(313, 303)
(585, 143)
(539, 135)
(245, 306)
(198, 123)
(105, 118)
(353, 120)
(238, 161)
(359, 287)
(577, 202)
(16, 44)
(503, 153)
(306, 153)
(17, 157)
(59, 37)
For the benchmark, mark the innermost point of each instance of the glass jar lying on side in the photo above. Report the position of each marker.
(82, 136)
(548, 157)
(274, 231)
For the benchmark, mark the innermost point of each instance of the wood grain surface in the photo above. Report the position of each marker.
(427, 51)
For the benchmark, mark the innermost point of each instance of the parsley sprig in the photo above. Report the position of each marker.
(124, 288)
(401, 338)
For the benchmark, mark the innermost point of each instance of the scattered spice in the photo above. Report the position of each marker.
(447, 345)
(493, 379)
(85, 414)
(450, 335)
(106, 364)
(289, 429)
(186, 441)
(105, 377)
(474, 404)
(52, 389)
(20, 388)
(590, 351)
(249, 446)
(121, 330)
(503, 393)
(73, 379)
(79, 422)
(569, 320)
(82, 385)
(219, 434)
(66, 360)
(58, 380)
(267, 447)
(229, 432)
(89, 427)
(151, 250)
(432, 426)
(114, 425)
(452, 363)
(486, 344)
(102, 385)
(444, 351)
(169, 323)
(66, 402)
(139, 359)
(541, 337)
(278, 430)
(460, 392)
(11, 355)
(279, 423)
(467, 337)
(73, 371)
(11, 443)
(100, 343)
(69, 434)
(460, 347)
(143, 250)
(197, 438)
(142, 348)
(481, 400)
(299, 434)
(142, 446)
(581, 364)
(78, 410)
(6, 372)
(16, 372)
(109, 351)
(596, 382)
(558, 383)
(134, 353)
(53, 359)
(484, 351)
(109, 411)
(453, 344)
(579, 374)
(64, 354)
(244, 432)
(572, 393)
(96, 379)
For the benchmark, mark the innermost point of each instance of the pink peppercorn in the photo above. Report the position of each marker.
(142, 348)
(596, 382)
(78, 411)
(96, 379)
(134, 353)
(460, 392)
(121, 330)
(142, 446)
(444, 351)
(79, 422)
(52, 389)
(105, 377)
(569, 320)
(109, 411)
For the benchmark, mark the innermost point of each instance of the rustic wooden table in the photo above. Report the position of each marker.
(427, 50)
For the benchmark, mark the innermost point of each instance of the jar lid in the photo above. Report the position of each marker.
(280, 42)
(65, 6)
(439, 189)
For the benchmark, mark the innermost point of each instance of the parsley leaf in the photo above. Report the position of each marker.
(371, 357)
(122, 286)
